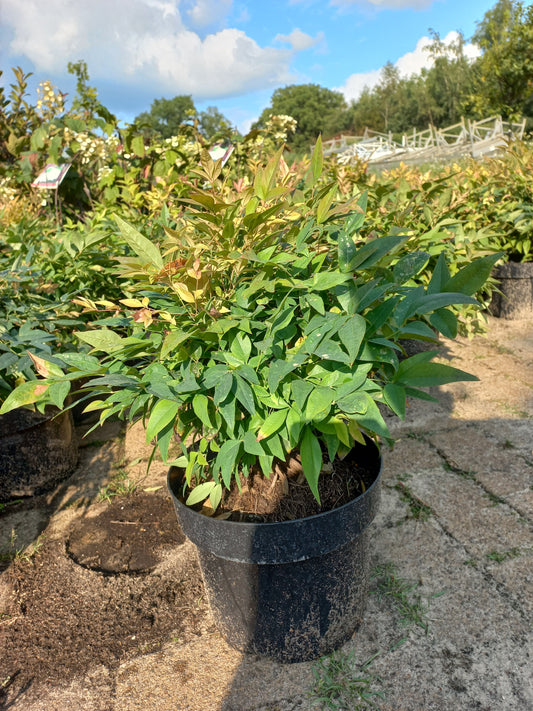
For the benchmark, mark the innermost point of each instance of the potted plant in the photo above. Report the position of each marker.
(262, 344)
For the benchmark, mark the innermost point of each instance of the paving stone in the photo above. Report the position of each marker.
(468, 513)
(409, 455)
(522, 501)
(475, 653)
(516, 575)
(500, 470)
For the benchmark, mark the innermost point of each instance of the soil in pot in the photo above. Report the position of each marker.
(286, 496)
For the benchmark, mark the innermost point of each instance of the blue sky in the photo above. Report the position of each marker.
(227, 53)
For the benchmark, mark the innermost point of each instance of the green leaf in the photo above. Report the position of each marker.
(356, 219)
(25, 394)
(227, 410)
(215, 496)
(300, 391)
(322, 211)
(226, 458)
(441, 275)
(409, 266)
(172, 341)
(266, 463)
(81, 361)
(275, 448)
(315, 302)
(251, 445)
(137, 146)
(426, 374)
(244, 394)
(330, 350)
(143, 247)
(241, 347)
(200, 493)
(352, 334)
(163, 412)
(417, 329)
(372, 419)
(433, 302)
(277, 371)
(355, 402)
(317, 160)
(445, 322)
(164, 437)
(223, 387)
(311, 455)
(57, 392)
(294, 426)
(273, 422)
(318, 404)
(200, 405)
(395, 398)
(346, 250)
(328, 280)
(470, 279)
(347, 296)
(102, 339)
(372, 252)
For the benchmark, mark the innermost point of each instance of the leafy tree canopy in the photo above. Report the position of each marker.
(316, 109)
(505, 69)
(166, 116)
(213, 122)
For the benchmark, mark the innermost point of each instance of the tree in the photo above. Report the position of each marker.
(315, 108)
(166, 116)
(213, 121)
(450, 81)
(86, 99)
(505, 68)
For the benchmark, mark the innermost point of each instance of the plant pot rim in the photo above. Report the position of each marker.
(275, 542)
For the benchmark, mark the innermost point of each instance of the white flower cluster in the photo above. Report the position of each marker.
(104, 172)
(181, 143)
(280, 126)
(50, 102)
(7, 191)
(112, 143)
(90, 146)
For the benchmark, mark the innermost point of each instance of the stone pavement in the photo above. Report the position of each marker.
(448, 627)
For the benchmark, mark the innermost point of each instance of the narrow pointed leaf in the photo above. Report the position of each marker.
(144, 248)
(164, 411)
(311, 455)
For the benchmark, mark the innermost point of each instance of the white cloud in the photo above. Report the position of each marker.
(147, 42)
(208, 12)
(409, 63)
(300, 40)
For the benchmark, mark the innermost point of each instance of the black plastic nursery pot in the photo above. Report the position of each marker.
(293, 590)
(516, 286)
(36, 451)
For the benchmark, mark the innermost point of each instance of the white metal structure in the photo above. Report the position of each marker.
(474, 138)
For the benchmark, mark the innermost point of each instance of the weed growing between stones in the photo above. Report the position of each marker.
(498, 557)
(340, 684)
(418, 509)
(412, 606)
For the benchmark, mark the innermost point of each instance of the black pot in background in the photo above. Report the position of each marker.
(36, 451)
(516, 286)
(293, 590)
